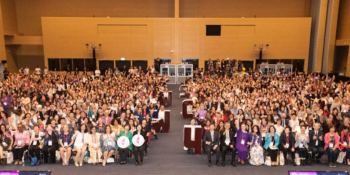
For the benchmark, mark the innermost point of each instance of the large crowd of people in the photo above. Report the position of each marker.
(265, 118)
(78, 114)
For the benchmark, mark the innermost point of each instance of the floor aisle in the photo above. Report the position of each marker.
(166, 156)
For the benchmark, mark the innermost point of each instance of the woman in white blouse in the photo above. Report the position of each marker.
(94, 146)
(80, 143)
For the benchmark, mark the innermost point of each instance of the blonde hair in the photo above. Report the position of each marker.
(69, 130)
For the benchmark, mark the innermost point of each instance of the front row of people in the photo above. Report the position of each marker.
(255, 144)
(99, 145)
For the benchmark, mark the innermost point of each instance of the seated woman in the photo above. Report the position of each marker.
(125, 151)
(256, 151)
(20, 144)
(272, 140)
(50, 144)
(242, 142)
(286, 144)
(331, 145)
(6, 140)
(139, 150)
(94, 146)
(36, 143)
(344, 143)
(65, 144)
(109, 145)
(80, 144)
(301, 144)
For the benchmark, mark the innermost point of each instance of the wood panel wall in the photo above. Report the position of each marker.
(148, 38)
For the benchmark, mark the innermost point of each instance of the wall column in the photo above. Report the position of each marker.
(330, 36)
(177, 48)
(318, 14)
(2, 38)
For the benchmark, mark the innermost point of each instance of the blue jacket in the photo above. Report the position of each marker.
(268, 140)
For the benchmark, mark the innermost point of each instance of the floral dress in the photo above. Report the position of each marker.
(7, 139)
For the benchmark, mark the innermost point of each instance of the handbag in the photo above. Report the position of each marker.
(58, 156)
(282, 160)
(9, 156)
(297, 159)
(33, 160)
(3, 161)
(268, 161)
(341, 157)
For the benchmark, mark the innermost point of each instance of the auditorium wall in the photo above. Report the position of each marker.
(244, 8)
(148, 38)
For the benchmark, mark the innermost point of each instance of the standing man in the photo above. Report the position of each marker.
(211, 140)
(97, 72)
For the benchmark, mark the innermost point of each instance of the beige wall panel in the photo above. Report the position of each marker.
(9, 17)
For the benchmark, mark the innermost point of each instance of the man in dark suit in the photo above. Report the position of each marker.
(209, 103)
(316, 142)
(211, 140)
(284, 120)
(227, 142)
(219, 105)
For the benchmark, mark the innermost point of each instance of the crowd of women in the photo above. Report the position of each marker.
(61, 115)
(268, 117)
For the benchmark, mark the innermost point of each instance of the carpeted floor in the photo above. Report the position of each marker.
(166, 156)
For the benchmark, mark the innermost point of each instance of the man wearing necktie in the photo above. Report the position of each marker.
(227, 143)
(316, 142)
(211, 140)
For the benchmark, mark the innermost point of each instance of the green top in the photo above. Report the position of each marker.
(128, 135)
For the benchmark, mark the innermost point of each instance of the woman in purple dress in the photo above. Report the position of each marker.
(241, 142)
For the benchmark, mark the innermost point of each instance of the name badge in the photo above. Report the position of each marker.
(5, 103)
(110, 142)
(271, 144)
(34, 142)
(95, 145)
(50, 143)
(316, 142)
(93, 116)
(19, 143)
(65, 144)
(345, 143)
(227, 142)
(287, 144)
(310, 129)
(331, 145)
(242, 142)
(4, 143)
(301, 145)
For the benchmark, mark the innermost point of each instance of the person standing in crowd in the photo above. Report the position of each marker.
(139, 150)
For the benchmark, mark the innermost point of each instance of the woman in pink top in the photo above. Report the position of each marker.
(331, 141)
(21, 143)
